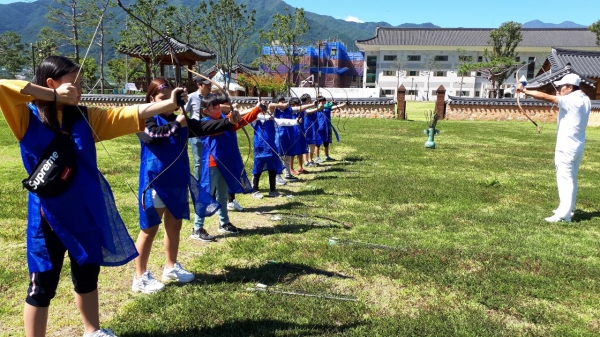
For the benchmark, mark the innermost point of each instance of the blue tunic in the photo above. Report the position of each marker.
(325, 127)
(85, 217)
(224, 149)
(288, 138)
(310, 129)
(172, 185)
(265, 157)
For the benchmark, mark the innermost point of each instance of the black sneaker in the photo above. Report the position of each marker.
(202, 235)
(290, 177)
(229, 228)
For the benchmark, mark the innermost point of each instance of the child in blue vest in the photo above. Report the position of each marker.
(83, 220)
(165, 183)
(222, 165)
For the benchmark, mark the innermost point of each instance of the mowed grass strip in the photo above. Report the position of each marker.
(470, 252)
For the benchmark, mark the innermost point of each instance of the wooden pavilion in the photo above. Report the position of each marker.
(160, 53)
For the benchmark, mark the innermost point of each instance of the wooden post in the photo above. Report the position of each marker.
(440, 103)
(401, 99)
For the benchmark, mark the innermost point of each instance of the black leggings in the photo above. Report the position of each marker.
(42, 286)
(272, 176)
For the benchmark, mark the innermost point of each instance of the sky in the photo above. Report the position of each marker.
(451, 14)
(457, 13)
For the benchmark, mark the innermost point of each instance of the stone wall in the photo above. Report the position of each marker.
(354, 110)
(508, 113)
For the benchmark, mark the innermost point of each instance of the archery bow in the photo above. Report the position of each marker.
(180, 102)
(518, 96)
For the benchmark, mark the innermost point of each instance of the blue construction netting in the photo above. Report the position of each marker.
(329, 50)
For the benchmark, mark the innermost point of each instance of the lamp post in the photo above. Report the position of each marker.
(32, 59)
(319, 67)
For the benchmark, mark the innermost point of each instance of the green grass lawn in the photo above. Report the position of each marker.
(472, 254)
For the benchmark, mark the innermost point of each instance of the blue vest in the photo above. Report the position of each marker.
(265, 156)
(224, 149)
(85, 217)
(310, 122)
(172, 185)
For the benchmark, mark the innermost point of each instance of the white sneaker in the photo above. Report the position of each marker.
(146, 284)
(555, 210)
(177, 273)
(280, 181)
(234, 206)
(101, 333)
(257, 195)
(556, 218)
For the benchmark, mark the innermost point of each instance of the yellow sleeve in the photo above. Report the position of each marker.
(109, 123)
(14, 107)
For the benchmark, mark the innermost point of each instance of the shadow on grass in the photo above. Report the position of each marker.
(585, 216)
(249, 327)
(290, 228)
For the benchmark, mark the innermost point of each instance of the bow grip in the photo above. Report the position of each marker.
(179, 99)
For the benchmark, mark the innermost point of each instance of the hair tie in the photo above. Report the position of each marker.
(161, 87)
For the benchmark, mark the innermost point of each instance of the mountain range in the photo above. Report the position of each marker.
(27, 18)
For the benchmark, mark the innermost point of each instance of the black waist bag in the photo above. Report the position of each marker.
(56, 168)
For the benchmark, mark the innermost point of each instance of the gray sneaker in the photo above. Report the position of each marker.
(274, 194)
(202, 235)
(101, 333)
(280, 181)
(257, 195)
(229, 228)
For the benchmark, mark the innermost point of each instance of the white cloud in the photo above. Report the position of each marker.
(354, 19)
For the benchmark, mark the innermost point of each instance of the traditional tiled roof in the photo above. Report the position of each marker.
(455, 100)
(137, 99)
(580, 37)
(585, 63)
(161, 47)
(96, 98)
(555, 75)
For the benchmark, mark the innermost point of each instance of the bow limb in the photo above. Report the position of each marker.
(180, 102)
(518, 97)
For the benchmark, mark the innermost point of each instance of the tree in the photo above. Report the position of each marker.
(12, 53)
(89, 73)
(157, 14)
(46, 44)
(98, 9)
(227, 27)
(463, 58)
(69, 17)
(264, 83)
(187, 24)
(120, 71)
(595, 28)
(399, 68)
(284, 38)
(499, 63)
(429, 64)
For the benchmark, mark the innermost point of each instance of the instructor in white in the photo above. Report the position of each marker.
(573, 114)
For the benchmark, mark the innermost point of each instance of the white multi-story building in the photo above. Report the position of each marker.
(400, 56)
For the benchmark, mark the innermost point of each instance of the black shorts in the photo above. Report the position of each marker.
(42, 286)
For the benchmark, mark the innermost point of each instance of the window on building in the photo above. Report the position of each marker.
(518, 59)
(412, 92)
(479, 58)
(478, 74)
(389, 73)
(531, 68)
(440, 58)
(413, 73)
(371, 61)
(465, 58)
(433, 92)
(333, 51)
(354, 78)
(390, 57)
(477, 94)
(413, 58)
(462, 93)
(439, 73)
(388, 92)
(463, 73)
